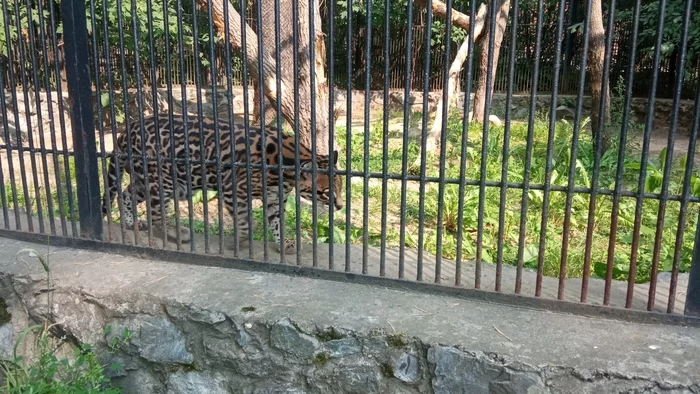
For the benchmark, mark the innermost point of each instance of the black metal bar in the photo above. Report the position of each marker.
(506, 146)
(330, 60)
(443, 143)
(200, 126)
(278, 115)
(669, 161)
(142, 126)
(19, 148)
(82, 120)
(229, 91)
(263, 137)
(156, 114)
(645, 160)
(528, 152)
(30, 131)
(246, 130)
(423, 153)
(40, 124)
(493, 6)
(600, 127)
(620, 161)
(385, 143)
(550, 146)
(6, 127)
(365, 159)
(183, 92)
(113, 113)
(314, 148)
(465, 139)
(573, 157)
(297, 153)
(348, 139)
(404, 155)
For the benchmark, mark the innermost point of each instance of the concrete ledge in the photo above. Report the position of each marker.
(218, 330)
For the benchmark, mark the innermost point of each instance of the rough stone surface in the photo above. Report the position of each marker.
(6, 340)
(343, 347)
(407, 368)
(197, 382)
(189, 334)
(285, 336)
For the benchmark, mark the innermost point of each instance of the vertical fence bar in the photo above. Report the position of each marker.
(423, 153)
(314, 148)
(506, 144)
(331, 134)
(297, 150)
(612, 240)
(157, 129)
(30, 149)
(550, 146)
(443, 141)
(493, 6)
(465, 140)
(669, 158)
(348, 140)
(600, 127)
(171, 104)
(365, 158)
(643, 168)
(40, 124)
(246, 130)
(385, 142)
(82, 120)
(263, 137)
(281, 196)
(528, 151)
(404, 156)
(233, 182)
(573, 157)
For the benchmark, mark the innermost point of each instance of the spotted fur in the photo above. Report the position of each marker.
(258, 152)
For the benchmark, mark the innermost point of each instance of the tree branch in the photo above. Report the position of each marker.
(440, 9)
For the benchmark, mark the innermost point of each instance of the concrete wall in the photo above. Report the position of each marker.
(215, 330)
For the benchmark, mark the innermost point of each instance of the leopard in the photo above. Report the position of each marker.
(163, 135)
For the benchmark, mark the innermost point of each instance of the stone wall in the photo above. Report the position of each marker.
(220, 330)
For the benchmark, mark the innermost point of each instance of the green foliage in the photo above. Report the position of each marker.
(48, 374)
(673, 19)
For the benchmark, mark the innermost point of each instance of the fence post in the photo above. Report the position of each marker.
(82, 118)
(692, 296)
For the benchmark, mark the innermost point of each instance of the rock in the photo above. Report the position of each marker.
(407, 368)
(197, 382)
(343, 347)
(284, 336)
(139, 381)
(459, 372)
(359, 379)
(6, 343)
(156, 339)
(277, 388)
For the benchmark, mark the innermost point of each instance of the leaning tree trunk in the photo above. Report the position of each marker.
(433, 139)
(286, 48)
(269, 75)
(480, 94)
(596, 60)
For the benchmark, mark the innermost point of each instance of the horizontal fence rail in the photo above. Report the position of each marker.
(565, 169)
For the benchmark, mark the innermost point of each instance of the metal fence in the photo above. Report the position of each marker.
(530, 205)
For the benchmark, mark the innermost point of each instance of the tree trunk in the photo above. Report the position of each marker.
(596, 60)
(480, 94)
(286, 43)
(433, 140)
